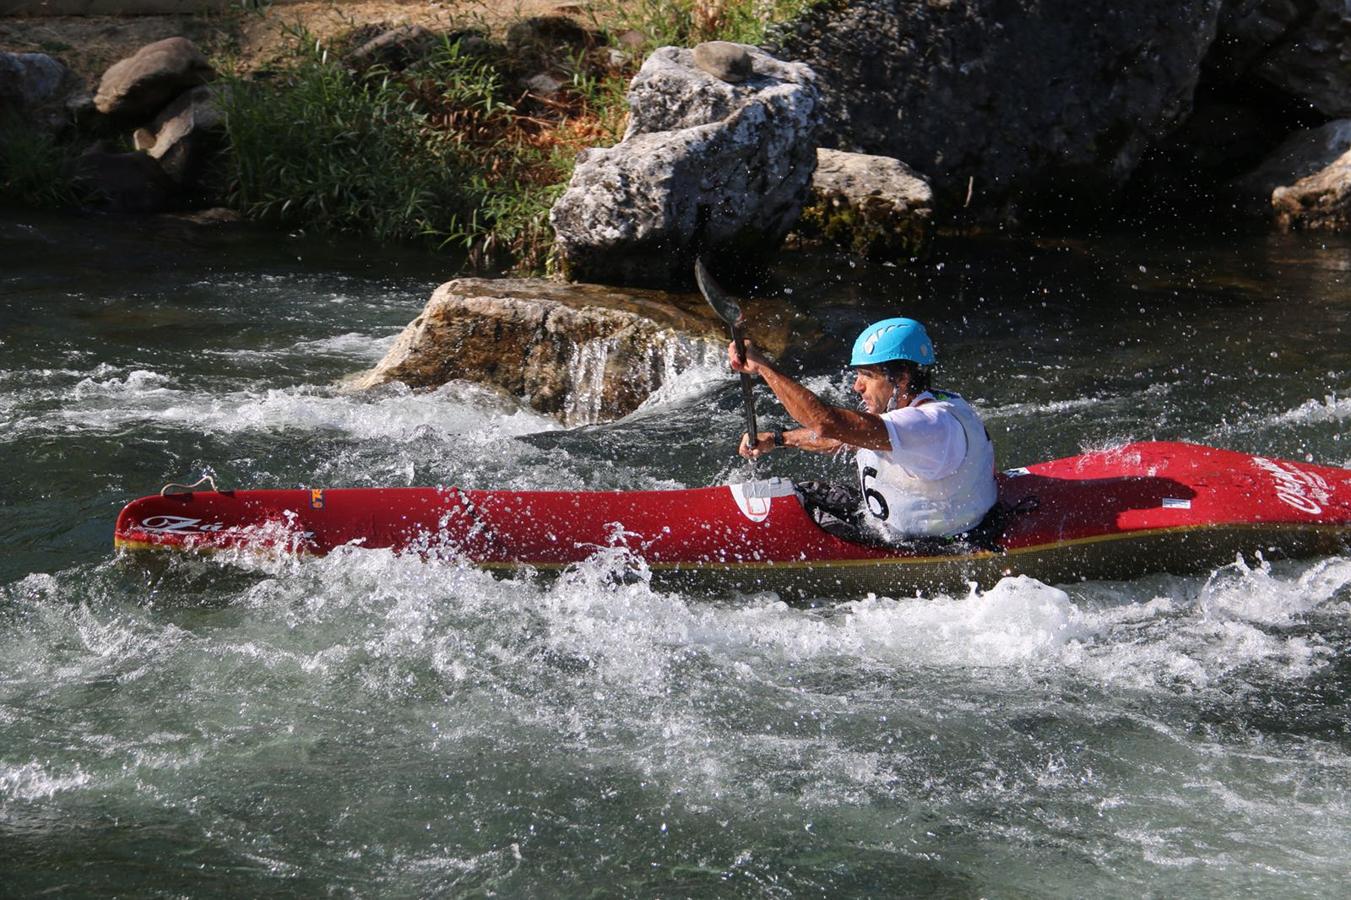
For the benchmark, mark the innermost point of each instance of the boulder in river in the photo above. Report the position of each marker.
(875, 206)
(580, 352)
(1304, 153)
(138, 86)
(1035, 106)
(1320, 202)
(706, 166)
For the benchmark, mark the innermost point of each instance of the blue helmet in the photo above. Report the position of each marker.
(893, 339)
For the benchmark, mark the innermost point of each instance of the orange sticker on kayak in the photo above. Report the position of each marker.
(317, 498)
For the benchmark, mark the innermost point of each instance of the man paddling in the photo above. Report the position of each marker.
(925, 460)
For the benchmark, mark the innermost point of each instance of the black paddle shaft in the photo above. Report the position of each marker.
(747, 389)
(728, 310)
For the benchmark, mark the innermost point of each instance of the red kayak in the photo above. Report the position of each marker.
(1109, 514)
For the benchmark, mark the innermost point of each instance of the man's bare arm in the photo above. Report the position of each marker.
(821, 420)
(797, 438)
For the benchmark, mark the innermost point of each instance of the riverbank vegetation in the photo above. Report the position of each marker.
(462, 147)
(36, 169)
(464, 144)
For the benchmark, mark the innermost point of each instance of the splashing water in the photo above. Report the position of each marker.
(373, 724)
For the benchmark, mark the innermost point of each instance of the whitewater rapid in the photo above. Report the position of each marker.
(373, 724)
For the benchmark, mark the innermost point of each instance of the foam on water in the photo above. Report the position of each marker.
(1331, 409)
(1309, 419)
(607, 611)
(32, 781)
(1051, 407)
(114, 402)
(359, 348)
(724, 708)
(689, 384)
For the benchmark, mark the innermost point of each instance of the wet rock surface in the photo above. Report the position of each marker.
(1301, 155)
(1320, 202)
(704, 167)
(126, 182)
(580, 352)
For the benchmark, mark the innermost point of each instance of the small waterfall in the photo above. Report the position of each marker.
(586, 378)
(610, 376)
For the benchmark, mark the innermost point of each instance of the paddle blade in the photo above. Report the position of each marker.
(722, 302)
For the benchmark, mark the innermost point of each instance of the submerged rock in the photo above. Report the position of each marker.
(705, 167)
(874, 206)
(580, 352)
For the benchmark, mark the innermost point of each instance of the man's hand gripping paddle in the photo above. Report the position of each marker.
(728, 310)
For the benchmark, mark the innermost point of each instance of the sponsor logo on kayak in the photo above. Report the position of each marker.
(267, 533)
(1304, 491)
(178, 525)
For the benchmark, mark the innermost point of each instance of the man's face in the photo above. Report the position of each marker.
(876, 390)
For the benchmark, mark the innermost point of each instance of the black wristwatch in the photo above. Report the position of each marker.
(778, 439)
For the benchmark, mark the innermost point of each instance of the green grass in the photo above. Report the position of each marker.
(35, 169)
(684, 23)
(440, 152)
(345, 151)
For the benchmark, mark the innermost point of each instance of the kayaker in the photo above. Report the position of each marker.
(925, 460)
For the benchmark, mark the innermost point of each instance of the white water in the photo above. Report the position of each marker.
(378, 725)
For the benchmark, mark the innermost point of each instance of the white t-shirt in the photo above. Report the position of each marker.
(938, 476)
(926, 438)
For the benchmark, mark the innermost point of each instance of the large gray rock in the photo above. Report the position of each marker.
(1301, 48)
(140, 85)
(580, 352)
(1320, 202)
(1304, 153)
(704, 167)
(35, 89)
(874, 206)
(1037, 105)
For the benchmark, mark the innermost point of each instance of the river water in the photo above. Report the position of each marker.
(370, 725)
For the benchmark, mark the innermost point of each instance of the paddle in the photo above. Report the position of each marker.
(728, 310)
